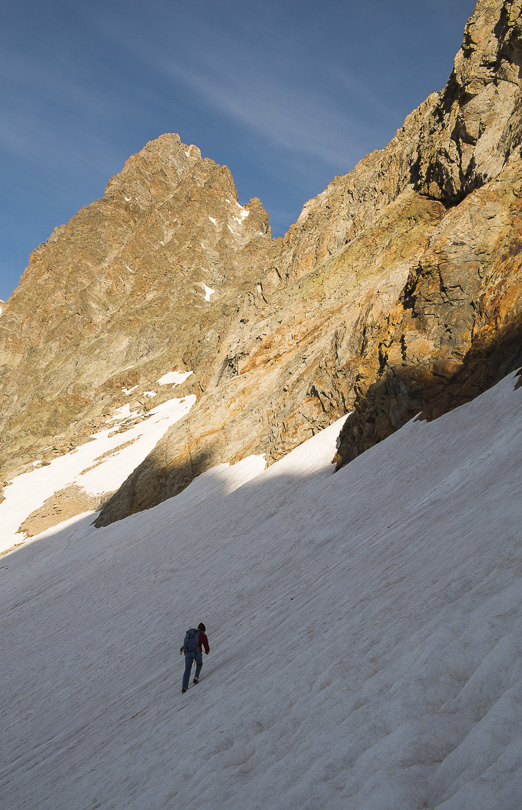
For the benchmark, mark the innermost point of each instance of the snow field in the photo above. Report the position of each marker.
(97, 467)
(364, 630)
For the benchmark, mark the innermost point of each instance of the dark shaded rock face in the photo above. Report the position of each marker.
(397, 291)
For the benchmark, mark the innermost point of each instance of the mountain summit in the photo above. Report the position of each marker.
(397, 291)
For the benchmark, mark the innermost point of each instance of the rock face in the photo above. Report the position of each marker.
(457, 325)
(121, 294)
(397, 291)
(456, 328)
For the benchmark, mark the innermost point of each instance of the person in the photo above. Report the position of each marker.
(195, 655)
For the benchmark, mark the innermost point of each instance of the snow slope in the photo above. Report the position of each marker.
(364, 628)
(98, 467)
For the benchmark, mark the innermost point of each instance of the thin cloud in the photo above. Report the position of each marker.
(361, 92)
(24, 76)
(280, 114)
(254, 75)
(43, 107)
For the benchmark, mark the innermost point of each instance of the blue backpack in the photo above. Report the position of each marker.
(190, 644)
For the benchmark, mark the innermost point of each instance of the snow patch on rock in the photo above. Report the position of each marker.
(97, 467)
(174, 377)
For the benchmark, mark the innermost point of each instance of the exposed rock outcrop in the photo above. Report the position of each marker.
(454, 329)
(476, 124)
(457, 326)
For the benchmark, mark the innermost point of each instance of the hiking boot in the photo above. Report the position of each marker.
(196, 680)
(183, 690)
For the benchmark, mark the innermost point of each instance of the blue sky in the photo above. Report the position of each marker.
(287, 94)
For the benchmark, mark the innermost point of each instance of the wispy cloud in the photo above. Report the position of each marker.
(43, 107)
(285, 115)
(263, 72)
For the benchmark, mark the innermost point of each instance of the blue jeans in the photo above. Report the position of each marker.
(189, 660)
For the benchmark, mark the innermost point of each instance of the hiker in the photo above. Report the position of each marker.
(193, 645)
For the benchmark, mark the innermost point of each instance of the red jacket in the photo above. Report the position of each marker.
(203, 642)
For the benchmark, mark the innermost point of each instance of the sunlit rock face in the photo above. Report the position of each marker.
(120, 295)
(397, 291)
(457, 325)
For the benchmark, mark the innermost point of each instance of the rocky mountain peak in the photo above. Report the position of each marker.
(144, 277)
(154, 173)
